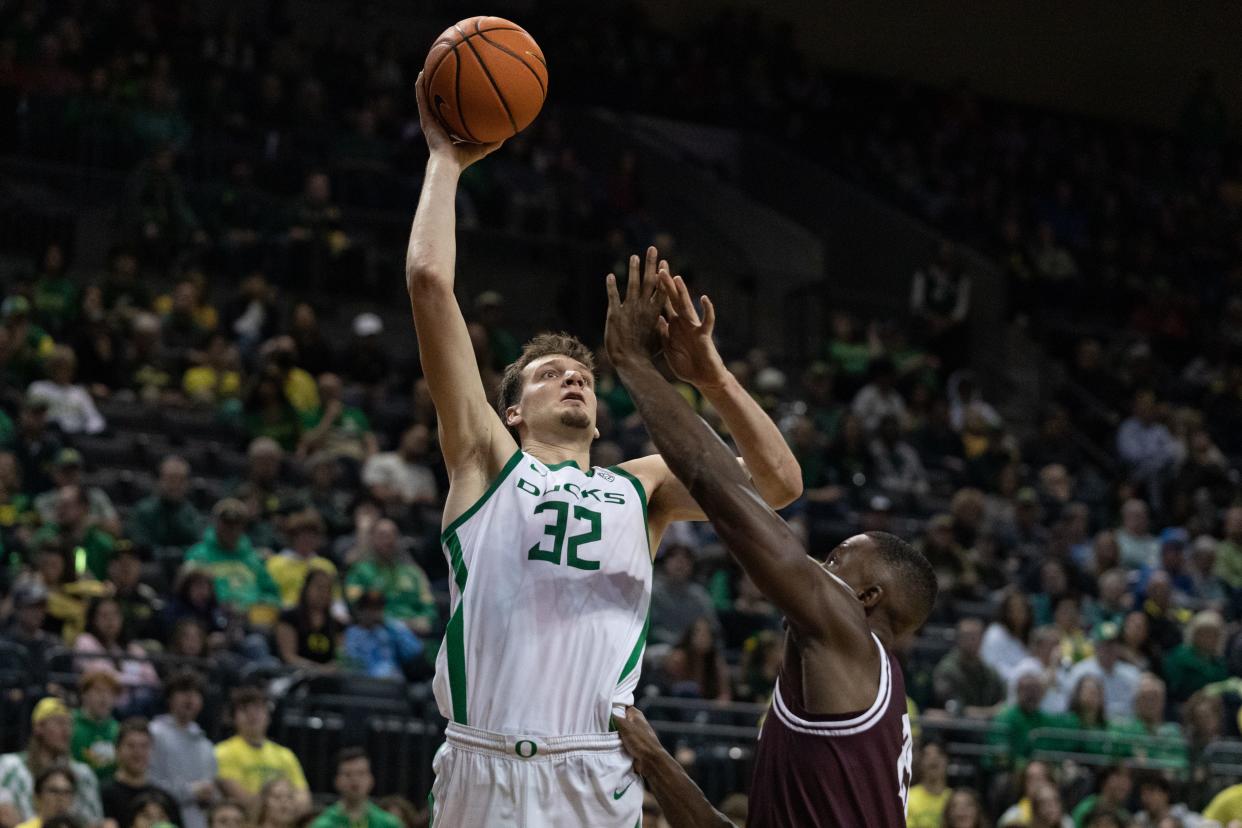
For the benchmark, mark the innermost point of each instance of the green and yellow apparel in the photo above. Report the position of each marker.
(1226, 806)
(1083, 811)
(1132, 738)
(344, 436)
(288, 571)
(373, 816)
(1187, 670)
(67, 604)
(406, 589)
(301, 390)
(94, 744)
(208, 384)
(253, 767)
(241, 579)
(924, 808)
(17, 510)
(91, 553)
(55, 300)
(1013, 726)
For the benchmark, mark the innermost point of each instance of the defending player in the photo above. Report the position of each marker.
(550, 558)
(835, 749)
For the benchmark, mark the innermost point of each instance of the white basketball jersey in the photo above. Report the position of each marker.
(550, 588)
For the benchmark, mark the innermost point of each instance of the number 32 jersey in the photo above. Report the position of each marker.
(550, 582)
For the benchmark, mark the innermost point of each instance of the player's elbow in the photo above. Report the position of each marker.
(422, 279)
(785, 487)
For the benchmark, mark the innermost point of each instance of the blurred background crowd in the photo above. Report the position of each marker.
(220, 489)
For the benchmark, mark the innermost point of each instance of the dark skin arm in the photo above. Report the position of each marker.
(827, 618)
(683, 803)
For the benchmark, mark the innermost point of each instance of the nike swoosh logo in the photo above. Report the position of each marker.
(621, 793)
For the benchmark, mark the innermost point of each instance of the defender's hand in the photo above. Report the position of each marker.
(631, 333)
(688, 344)
(438, 140)
(639, 739)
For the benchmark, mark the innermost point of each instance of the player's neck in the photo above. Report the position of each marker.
(552, 453)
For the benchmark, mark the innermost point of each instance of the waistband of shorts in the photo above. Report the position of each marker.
(511, 745)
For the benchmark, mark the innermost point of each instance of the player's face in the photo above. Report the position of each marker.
(558, 393)
(851, 561)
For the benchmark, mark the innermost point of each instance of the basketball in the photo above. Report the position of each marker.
(485, 79)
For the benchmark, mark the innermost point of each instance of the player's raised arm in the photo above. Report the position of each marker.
(694, 359)
(469, 428)
(763, 544)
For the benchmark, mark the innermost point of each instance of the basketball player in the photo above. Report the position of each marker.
(835, 749)
(550, 558)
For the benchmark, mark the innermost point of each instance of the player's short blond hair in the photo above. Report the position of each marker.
(543, 345)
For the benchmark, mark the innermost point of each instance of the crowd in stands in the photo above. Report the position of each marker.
(195, 470)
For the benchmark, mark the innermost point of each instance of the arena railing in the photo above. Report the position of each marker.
(1101, 749)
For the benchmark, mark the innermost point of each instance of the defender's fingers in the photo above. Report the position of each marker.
(633, 277)
(709, 313)
(610, 285)
(685, 304)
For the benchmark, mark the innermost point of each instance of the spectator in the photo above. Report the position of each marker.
(94, 728)
(696, 666)
(73, 529)
(194, 598)
(53, 294)
(278, 359)
(1229, 550)
(1035, 776)
(288, 570)
(25, 627)
(1147, 448)
(676, 600)
(1048, 663)
(314, 352)
(1119, 680)
(963, 682)
(226, 814)
(1113, 601)
(879, 398)
(167, 518)
(1004, 641)
(963, 810)
(140, 603)
(55, 791)
(261, 490)
(36, 447)
(1164, 617)
(1136, 735)
(1047, 810)
(940, 303)
(388, 570)
(1156, 799)
(1138, 547)
(270, 414)
(1016, 721)
(326, 493)
(133, 763)
(307, 635)
(1112, 795)
(253, 316)
(403, 472)
(366, 360)
(929, 797)
(67, 471)
(901, 473)
(151, 810)
(217, 379)
(405, 812)
(1087, 718)
(376, 646)
(182, 759)
(354, 783)
(1207, 589)
(25, 344)
(279, 805)
(335, 428)
(1198, 661)
(67, 594)
(954, 568)
(48, 747)
(249, 761)
(70, 407)
(105, 646)
(242, 583)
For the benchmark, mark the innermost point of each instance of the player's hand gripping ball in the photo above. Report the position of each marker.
(485, 79)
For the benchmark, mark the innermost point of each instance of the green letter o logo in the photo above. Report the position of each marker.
(525, 748)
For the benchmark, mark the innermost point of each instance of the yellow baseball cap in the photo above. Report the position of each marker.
(47, 709)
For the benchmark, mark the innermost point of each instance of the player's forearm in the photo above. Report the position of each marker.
(432, 251)
(772, 466)
(707, 468)
(684, 805)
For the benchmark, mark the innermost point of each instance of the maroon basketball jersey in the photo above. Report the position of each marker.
(833, 771)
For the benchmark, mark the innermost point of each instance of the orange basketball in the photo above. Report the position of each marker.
(485, 79)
